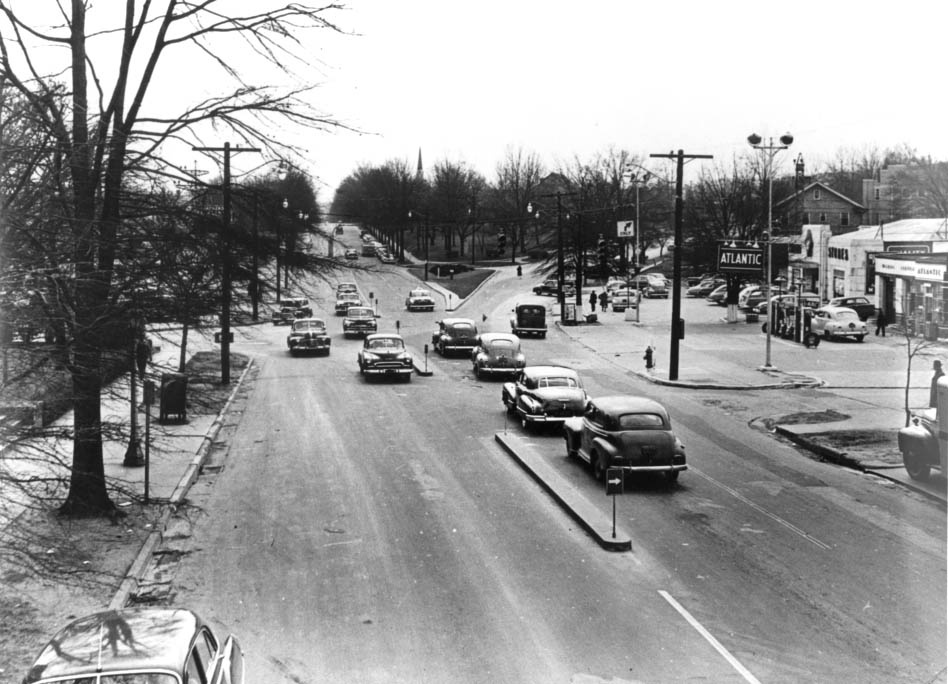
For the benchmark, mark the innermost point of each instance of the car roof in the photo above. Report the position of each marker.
(838, 309)
(132, 638)
(318, 321)
(618, 404)
(418, 292)
(456, 321)
(543, 371)
(383, 336)
(360, 309)
(493, 336)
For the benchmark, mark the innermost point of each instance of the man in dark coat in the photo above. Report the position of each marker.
(592, 300)
(881, 322)
(933, 395)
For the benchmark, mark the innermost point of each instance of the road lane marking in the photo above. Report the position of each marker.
(735, 663)
(776, 518)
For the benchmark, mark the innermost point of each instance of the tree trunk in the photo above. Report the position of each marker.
(88, 495)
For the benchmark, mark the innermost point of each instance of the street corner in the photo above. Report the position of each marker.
(574, 502)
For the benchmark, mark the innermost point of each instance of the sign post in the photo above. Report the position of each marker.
(149, 400)
(614, 483)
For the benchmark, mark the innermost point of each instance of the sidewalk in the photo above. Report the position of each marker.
(716, 355)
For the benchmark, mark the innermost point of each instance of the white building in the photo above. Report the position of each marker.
(895, 265)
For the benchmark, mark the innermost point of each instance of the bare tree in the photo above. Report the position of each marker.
(105, 134)
(518, 175)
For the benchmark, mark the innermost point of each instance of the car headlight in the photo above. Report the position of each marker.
(369, 356)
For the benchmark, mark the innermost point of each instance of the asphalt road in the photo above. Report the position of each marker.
(375, 532)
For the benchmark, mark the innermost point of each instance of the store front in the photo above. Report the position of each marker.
(915, 288)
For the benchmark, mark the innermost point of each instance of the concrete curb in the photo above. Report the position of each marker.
(573, 501)
(419, 369)
(133, 576)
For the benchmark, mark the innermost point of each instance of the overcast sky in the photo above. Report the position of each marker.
(464, 80)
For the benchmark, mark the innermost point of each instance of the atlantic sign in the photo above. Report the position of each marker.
(740, 260)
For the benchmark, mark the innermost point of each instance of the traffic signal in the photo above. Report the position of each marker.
(602, 248)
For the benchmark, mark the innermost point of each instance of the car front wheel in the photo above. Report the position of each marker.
(915, 465)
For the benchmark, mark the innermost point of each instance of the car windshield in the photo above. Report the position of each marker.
(420, 293)
(385, 343)
(462, 328)
(359, 312)
(532, 310)
(638, 421)
(557, 381)
(303, 326)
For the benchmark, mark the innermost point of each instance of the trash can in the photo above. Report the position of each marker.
(174, 397)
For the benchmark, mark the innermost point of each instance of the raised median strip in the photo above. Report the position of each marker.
(593, 520)
(418, 361)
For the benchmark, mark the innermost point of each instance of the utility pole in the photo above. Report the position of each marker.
(225, 256)
(677, 325)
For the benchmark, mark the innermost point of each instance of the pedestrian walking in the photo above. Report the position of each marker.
(603, 300)
(881, 322)
(933, 395)
(592, 301)
(519, 271)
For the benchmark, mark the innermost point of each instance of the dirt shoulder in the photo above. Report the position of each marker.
(53, 569)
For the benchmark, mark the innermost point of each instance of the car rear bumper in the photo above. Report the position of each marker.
(388, 370)
(670, 468)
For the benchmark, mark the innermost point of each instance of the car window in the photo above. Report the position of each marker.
(638, 421)
(501, 344)
(558, 382)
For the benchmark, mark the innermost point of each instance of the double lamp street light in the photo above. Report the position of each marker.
(769, 150)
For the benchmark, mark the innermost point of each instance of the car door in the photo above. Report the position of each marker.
(229, 666)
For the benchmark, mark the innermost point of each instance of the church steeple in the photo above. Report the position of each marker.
(420, 172)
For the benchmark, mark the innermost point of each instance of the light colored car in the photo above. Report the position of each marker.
(385, 354)
(419, 300)
(627, 432)
(154, 645)
(387, 257)
(359, 320)
(352, 254)
(623, 299)
(497, 354)
(838, 321)
(542, 395)
(308, 335)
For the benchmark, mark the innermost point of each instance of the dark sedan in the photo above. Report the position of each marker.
(541, 395)
(861, 305)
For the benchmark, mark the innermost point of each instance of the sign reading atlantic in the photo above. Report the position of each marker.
(740, 260)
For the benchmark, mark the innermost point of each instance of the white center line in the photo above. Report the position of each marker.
(760, 509)
(735, 663)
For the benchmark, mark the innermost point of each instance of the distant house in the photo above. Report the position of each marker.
(817, 203)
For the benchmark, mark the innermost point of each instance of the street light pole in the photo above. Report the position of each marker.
(225, 256)
(770, 150)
